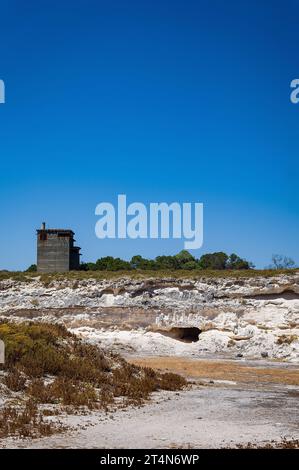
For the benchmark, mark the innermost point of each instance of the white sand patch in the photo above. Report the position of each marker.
(145, 343)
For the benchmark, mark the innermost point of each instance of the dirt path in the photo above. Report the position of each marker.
(203, 417)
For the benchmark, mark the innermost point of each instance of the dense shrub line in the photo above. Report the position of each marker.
(183, 260)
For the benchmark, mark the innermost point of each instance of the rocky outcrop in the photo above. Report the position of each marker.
(249, 317)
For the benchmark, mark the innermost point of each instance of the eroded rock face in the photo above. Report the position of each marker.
(250, 317)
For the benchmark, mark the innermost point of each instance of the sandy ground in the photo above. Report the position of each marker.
(228, 404)
(255, 373)
(198, 418)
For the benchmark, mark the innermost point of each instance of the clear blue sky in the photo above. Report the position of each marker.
(161, 100)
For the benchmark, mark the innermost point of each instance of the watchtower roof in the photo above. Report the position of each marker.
(56, 230)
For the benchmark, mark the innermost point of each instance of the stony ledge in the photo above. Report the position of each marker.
(250, 317)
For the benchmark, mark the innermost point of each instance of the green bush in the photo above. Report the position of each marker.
(31, 269)
(182, 261)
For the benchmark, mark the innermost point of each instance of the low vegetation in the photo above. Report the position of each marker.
(46, 279)
(287, 339)
(26, 421)
(285, 443)
(183, 265)
(47, 365)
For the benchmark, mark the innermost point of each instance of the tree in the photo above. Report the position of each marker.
(138, 262)
(216, 260)
(88, 267)
(235, 262)
(32, 269)
(108, 263)
(166, 262)
(183, 258)
(282, 262)
(190, 265)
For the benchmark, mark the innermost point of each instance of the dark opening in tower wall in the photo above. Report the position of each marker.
(185, 334)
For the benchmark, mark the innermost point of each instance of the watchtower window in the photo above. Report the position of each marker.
(43, 236)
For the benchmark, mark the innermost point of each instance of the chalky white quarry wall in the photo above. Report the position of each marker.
(254, 317)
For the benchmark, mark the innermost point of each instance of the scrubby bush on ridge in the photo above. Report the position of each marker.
(47, 364)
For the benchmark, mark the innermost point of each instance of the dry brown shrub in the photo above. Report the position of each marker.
(25, 422)
(15, 381)
(64, 371)
(287, 339)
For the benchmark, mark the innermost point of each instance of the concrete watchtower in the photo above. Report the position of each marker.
(56, 251)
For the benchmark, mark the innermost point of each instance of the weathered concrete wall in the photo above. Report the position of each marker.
(74, 259)
(53, 254)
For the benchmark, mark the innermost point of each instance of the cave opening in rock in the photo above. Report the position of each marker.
(185, 334)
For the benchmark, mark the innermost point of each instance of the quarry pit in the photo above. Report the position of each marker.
(236, 340)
